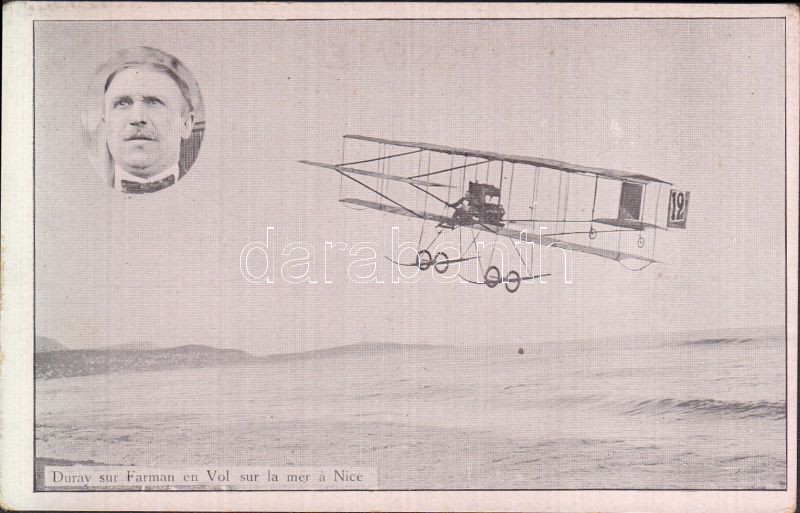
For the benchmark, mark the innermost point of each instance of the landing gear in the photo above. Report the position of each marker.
(492, 277)
(442, 263)
(424, 260)
(513, 281)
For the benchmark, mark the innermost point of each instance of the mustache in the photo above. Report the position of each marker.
(141, 134)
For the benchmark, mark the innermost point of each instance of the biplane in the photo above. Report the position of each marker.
(611, 214)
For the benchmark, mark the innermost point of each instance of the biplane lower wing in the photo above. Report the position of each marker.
(546, 241)
(383, 176)
(543, 240)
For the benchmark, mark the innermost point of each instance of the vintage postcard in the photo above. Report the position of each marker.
(399, 257)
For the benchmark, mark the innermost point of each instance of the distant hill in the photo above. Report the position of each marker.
(354, 350)
(47, 344)
(87, 362)
(66, 363)
(134, 346)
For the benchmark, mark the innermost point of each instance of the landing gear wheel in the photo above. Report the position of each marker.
(424, 259)
(513, 281)
(442, 263)
(492, 277)
(640, 241)
(592, 233)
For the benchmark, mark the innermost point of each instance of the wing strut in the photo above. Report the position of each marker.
(387, 198)
(423, 175)
(380, 158)
(429, 193)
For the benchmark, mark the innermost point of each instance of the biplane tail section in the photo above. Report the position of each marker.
(631, 209)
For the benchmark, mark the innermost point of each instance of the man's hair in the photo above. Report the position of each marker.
(184, 88)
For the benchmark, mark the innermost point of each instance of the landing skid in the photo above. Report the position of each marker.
(425, 263)
(512, 280)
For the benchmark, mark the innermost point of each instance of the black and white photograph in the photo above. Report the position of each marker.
(405, 251)
(143, 120)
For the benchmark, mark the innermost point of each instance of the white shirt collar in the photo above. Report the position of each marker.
(120, 174)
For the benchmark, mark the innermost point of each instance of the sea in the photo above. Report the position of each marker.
(644, 412)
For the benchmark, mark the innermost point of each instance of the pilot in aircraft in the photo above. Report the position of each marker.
(476, 207)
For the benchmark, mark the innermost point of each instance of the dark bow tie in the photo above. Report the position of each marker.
(141, 188)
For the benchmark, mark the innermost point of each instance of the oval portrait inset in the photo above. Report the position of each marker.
(144, 121)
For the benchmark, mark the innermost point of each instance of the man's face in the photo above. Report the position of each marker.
(146, 117)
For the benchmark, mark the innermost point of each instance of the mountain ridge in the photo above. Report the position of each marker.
(87, 362)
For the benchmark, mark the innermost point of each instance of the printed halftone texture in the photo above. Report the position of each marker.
(696, 102)
(92, 110)
(634, 412)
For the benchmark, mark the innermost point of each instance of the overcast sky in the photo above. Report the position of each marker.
(699, 103)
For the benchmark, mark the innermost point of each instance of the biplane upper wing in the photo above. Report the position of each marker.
(385, 176)
(533, 161)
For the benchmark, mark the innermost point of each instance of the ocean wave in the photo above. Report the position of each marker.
(774, 410)
(717, 341)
